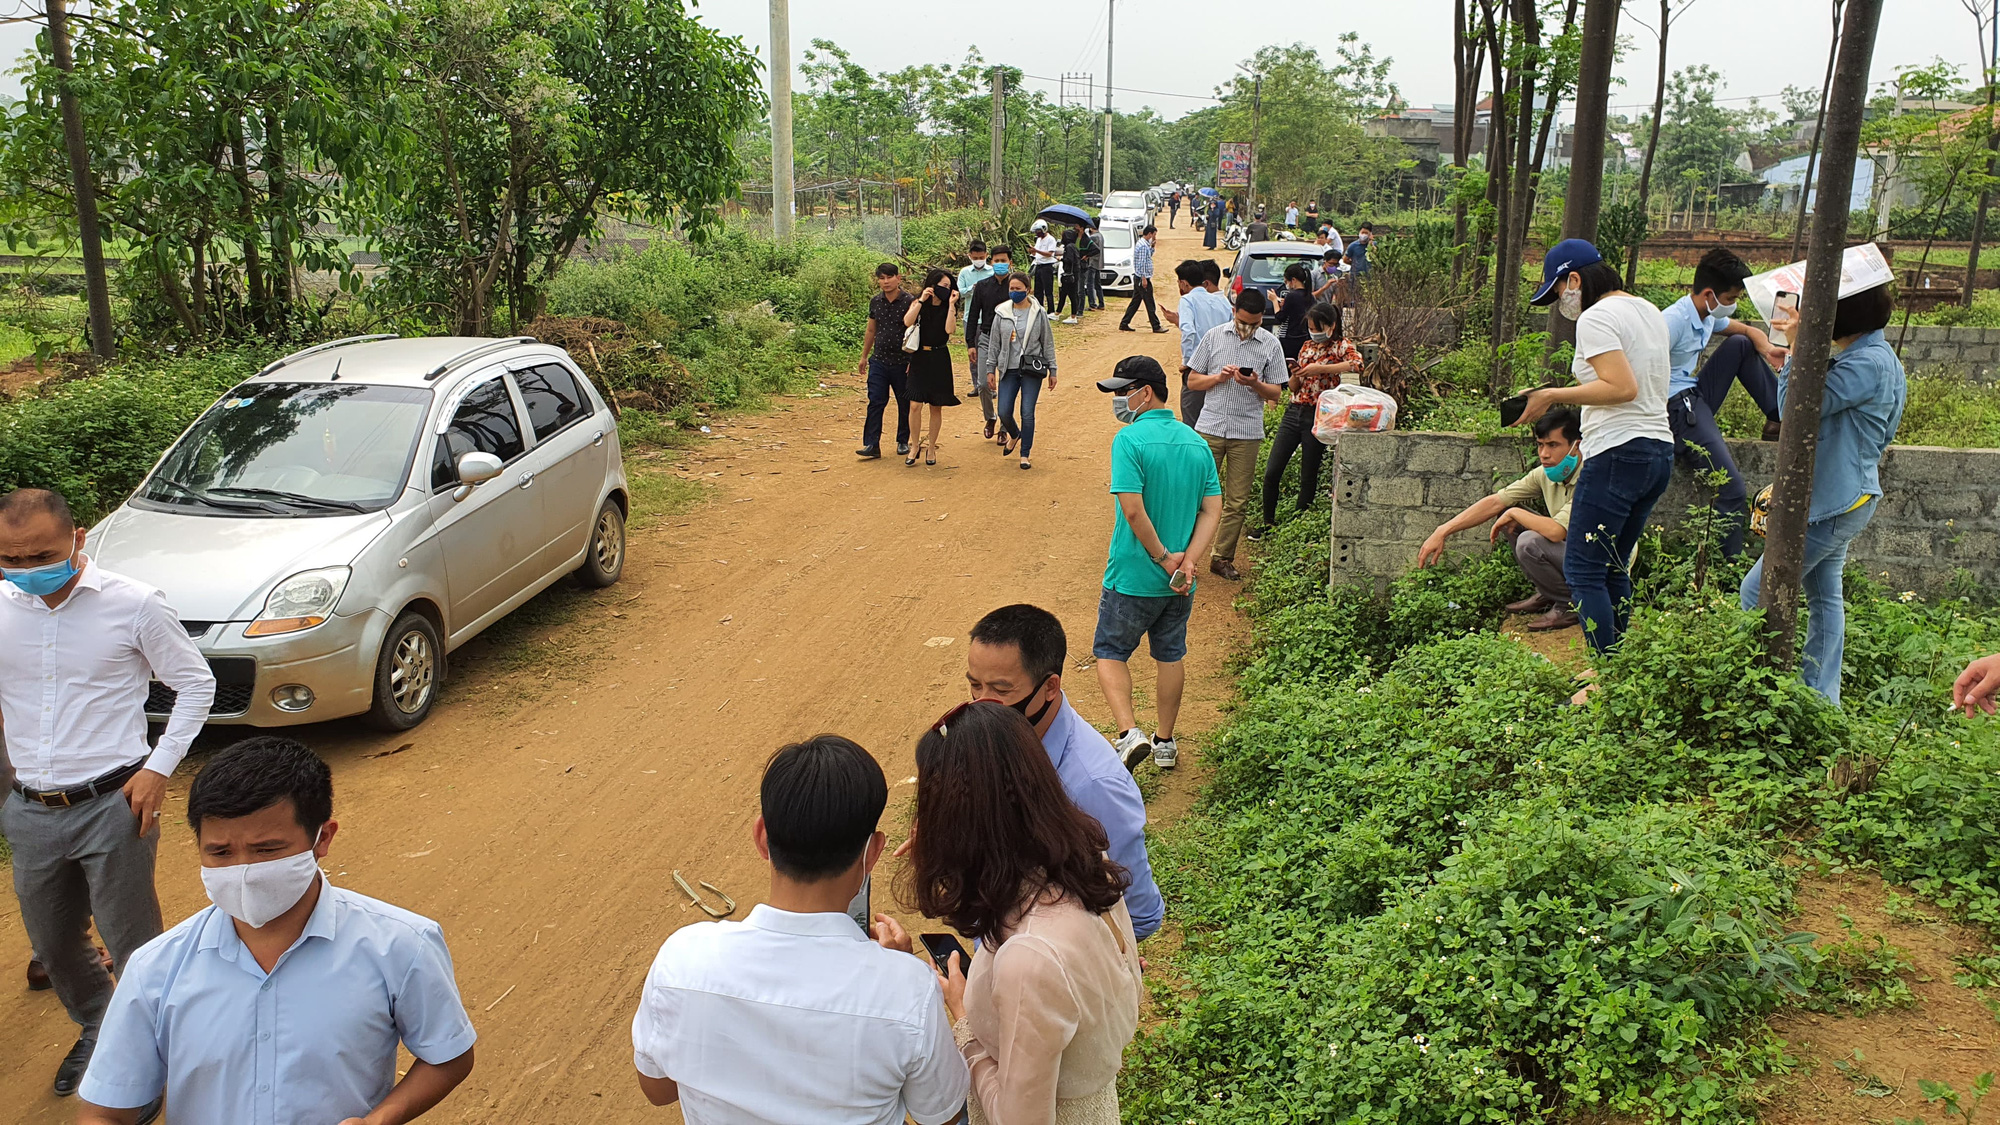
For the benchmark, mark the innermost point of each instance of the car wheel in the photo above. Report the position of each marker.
(604, 559)
(408, 672)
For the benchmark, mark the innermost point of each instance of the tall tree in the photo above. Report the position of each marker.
(1798, 444)
(1467, 61)
(1986, 25)
(1806, 189)
(77, 152)
(1668, 14)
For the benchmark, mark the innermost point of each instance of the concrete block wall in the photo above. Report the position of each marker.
(1940, 512)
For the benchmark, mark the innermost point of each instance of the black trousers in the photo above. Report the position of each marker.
(1698, 441)
(1045, 286)
(1071, 293)
(1142, 292)
(1294, 435)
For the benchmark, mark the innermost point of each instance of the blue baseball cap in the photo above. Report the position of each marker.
(1564, 258)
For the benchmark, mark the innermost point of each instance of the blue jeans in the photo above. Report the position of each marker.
(1124, 618)
(1691, 413)
(1826, 623)
(1029, 388)
(883, 380)
(1615, 493)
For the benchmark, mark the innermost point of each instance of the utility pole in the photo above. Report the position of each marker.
(1885, 184)
(782, 204)
(999, 127)
(1256, 132)
(1110, 15)
(1812, 345)
(96, 284)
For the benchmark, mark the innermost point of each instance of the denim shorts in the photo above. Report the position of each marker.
(1122, 619)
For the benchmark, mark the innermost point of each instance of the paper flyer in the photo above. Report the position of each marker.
(1861, 267)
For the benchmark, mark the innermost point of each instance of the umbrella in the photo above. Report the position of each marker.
(1064, 213)
(1211, 193)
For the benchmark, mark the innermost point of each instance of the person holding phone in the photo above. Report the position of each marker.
(934, 314)
(1859, 411)
(1238, 367)
(1323, 357)
(1052, 999)
(792, 1014)
(1169, 505)
(1621, 366)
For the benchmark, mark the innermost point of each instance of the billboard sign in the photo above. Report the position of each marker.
(1232, 165)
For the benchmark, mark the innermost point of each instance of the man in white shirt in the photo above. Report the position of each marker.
(1239, 367)
(285, 1002)
(1202, 307)
(793, 1014)
(78, 646)
(1046, 249)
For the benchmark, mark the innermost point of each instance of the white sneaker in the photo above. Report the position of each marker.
(1132, 747)
(1166, 752)
(1069, 320)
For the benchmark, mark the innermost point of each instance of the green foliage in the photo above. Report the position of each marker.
(1310, 143)
(1859, 974)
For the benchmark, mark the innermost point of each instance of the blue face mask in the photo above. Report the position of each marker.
(1561, 470)
(999, 269)
(41, 581)
(1017, 295)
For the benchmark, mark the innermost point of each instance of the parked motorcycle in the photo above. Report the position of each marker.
(1236, 237)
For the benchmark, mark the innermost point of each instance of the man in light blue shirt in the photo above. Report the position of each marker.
(1202, 307)
(1746, 356)
(1142, 282)
(285, 1001)
(1018, 650)
(978, 271)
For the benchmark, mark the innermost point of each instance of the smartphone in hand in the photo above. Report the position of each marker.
(941, 947)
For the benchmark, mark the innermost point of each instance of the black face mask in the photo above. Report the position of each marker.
(1035, 719)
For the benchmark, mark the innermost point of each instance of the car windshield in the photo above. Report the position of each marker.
(294, 449)
(1117, 238)
(1271, 270)
(1125, 201)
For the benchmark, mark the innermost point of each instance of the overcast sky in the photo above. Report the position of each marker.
(1186, 47)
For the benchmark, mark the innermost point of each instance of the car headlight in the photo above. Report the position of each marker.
(300, 602)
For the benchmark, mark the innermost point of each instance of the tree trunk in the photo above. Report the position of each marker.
(96, 280)
(284, 221)
(246, 217)
(1652, 146)
(1496, 135)
(1461, 133)
(1519, 202)
(1806, 189)
(1586, 161)
(1985, 200)
(1791, 499)
(1552, 96)
(1500, 185)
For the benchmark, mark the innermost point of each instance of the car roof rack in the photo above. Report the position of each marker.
(475, 352)
(326, 347)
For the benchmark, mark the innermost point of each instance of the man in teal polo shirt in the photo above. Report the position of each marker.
(1169, 505)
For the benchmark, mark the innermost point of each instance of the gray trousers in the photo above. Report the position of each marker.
(71, 865)
(1191, 403)
(1541, 560)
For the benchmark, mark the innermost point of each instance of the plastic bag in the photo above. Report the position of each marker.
(1352, 408)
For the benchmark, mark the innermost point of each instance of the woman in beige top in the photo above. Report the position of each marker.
(1006, 858)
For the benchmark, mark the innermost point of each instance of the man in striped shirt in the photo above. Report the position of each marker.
(1142, 282)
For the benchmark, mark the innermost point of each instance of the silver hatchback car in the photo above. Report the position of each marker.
(331, 528)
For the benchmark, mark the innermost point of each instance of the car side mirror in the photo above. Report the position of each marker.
(475, 469)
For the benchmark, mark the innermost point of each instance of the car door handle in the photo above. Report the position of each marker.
(527, 479)
(597, 438)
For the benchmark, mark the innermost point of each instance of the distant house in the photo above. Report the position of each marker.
(1428, 132)
(1786, 177)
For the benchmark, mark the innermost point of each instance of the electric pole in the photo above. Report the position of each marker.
(1256, 131)
(999, 128)
(1111, 14)
(96, 284)
(781, 121)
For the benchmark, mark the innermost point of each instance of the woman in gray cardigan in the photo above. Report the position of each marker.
(1019, 350)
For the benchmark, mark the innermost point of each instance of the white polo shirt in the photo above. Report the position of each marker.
(787, 1017)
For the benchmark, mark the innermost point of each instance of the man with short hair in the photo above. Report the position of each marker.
(979, 270)
(978, 309)
(286, 1000)
(1142, 281)
(1706, 310)
(1540, 538)
(1016, 657)
(79, 647)
(793, 1014)
(1046, 250)
(1326, 275)
(885, 363)
(1169, 503)
(1258, 230)
(1202, 308)
(1357, 260)
(1292, 215)
(1090, 244)
(1239, 367)
(1173, 209)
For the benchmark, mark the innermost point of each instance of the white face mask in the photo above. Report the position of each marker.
(255, 893)
(1571, 303)
(1244, 331)
(1723, 312)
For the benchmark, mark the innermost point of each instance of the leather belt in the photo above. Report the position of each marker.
(77, 794)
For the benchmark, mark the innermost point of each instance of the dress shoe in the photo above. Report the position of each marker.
(1557, 618)
(1223, 568)
(1535, 604)
(1126, 328)
(869, 453)
(902, 449)
(1161, 331)
(1771, 428)
(73, 1065)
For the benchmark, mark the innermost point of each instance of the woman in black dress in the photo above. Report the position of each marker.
(935, 314)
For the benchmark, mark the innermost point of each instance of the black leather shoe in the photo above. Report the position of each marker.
(869, 453)
(73, 1065)
(902, 449)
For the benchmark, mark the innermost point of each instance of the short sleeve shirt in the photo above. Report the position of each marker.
(1230, 410)
(1306, 389)
(1555, 496)
(1631, 325)
(1159, 457)
(1688, 334)
(888, 318)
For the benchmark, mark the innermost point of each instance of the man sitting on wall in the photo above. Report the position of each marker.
(1538, 538)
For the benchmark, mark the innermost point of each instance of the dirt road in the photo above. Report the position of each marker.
(540, 813)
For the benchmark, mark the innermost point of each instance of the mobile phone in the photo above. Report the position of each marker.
(941, 947)
(1511, 409)
(1788, 301)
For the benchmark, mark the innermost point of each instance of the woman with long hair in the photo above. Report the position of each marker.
(935, 315)
(1004, 857)
(1621, 368)
(1018, 352)
(1323, 358)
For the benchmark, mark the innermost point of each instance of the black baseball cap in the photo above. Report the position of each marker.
(1133, 371)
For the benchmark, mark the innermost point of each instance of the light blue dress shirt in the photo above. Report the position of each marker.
(1103, 788)
(969, 276)
(1142, 260)
(1688, 334)
(1199, 311)
(1863, 404)
(313, 1042)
